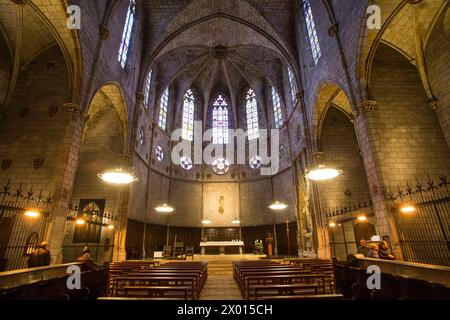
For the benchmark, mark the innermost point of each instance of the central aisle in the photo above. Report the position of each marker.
(220, 284)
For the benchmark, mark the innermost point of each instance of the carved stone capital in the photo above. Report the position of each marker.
(72, 107)
(433, 104)
(104, 32)
(367, 106)
(333, 30)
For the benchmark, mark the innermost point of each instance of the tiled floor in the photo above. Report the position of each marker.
(220, 287)
(220, 284)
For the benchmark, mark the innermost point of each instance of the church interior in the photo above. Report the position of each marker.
(224, 149)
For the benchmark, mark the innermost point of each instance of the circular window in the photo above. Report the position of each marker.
(186, 163)
(255, 162)
(221, 166)
(159, 153)
(141, 136)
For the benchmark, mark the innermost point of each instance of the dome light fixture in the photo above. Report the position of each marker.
(236, 221)
(206, 221)
(165, 208)
(332, 224)
(362, 218)
(277, 205)
(408, 209)
(117, 176)
(110, 227)
(80, 222)
(32, 214)
(322, 173)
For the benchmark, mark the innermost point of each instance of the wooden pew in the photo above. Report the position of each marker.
(305, 276)
(159, 291)
(121, 282)
(255, 281)
(178, 280)
(285, 289)
(305, 297)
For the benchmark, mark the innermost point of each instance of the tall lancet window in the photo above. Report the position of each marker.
(312, 32)
(188, 116)
(292, 85)
(251, 107)
(220, 121)
(126, 36)
(163, 107)
(278, 119)
(148, 88)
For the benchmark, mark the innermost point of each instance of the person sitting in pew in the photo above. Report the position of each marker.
(86, 255)
(373, 252)
(40, 257)
(363, 249)
(384, 252)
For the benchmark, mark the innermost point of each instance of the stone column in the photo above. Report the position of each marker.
(64, 177)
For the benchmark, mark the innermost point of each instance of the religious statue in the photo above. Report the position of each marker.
(269, 241)
(221, 204)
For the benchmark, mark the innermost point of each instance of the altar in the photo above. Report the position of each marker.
(222, 245)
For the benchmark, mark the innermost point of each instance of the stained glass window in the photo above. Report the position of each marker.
(162, 121)
(292, 86)
(221, 166)
(312, 32)
(220, 121)
(276, 109)
(251, 106)
(126, 36)
(186, 163)
(148, 87)
(188, 116)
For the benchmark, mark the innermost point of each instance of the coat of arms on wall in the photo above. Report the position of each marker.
(38, 163)
(6, 163)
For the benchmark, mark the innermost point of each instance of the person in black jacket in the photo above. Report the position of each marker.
(40, 257)
(384, 252)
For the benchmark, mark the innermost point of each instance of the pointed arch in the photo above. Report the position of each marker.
(220, 120)
(188, 115)
(251, 108)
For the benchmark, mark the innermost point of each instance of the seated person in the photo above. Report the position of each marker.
(373, 252)
(363, 249)
(384, 252)
(86, 255)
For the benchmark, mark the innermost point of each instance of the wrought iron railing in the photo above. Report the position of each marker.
(421, 213)
(24, 218)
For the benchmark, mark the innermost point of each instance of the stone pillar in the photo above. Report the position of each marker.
(64, 176)
(366, 135)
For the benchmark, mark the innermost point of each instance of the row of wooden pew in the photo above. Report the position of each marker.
(295, 279)
(150, 281)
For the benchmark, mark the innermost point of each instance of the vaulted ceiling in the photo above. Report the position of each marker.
(223, 45)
